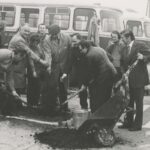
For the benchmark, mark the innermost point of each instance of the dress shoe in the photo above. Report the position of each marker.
(124, 126)
(135, 129)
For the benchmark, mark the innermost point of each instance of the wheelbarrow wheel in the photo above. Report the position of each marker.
(104, 137)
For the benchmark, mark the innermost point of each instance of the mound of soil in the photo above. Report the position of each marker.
(70, 139)
(65, 138)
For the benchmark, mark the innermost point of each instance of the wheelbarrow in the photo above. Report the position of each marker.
(100, 124)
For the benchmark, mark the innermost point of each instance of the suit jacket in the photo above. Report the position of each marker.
(59, 51)
(40, 51)
(99, 67)
(19, 43)
(77, 63)
(139, 75)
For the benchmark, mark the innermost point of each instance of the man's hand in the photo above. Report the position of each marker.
(14, 93)
(140, 56)
(44, 63)
(63, 77)
(49, 70)
(83, 87)
(34, 74)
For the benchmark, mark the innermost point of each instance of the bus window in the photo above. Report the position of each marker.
(110, 20)
(29, 15)
(147, 29)
(82, 17)
(59, 16)
(135, 27)
(7, 15)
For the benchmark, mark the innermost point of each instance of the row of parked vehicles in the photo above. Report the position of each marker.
(72, 18)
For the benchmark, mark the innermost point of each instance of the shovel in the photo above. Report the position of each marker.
(72, 96)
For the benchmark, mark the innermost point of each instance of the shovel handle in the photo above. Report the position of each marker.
(72, 96)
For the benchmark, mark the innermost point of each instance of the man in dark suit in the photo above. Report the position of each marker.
(99, 75)
(57, 45)
(138, 77)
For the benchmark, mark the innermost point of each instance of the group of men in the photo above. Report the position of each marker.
(45, 58)
(51, 58)
(124, 51)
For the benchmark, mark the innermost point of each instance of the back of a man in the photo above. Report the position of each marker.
(103, 64)
(99, 77)
(20, 68)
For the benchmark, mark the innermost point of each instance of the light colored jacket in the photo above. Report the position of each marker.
(59, 52)
(93, 31)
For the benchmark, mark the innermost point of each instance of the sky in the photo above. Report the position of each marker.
(138, 5)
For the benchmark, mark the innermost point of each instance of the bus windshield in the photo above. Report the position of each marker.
(110, 20)
(7, 15)
(147, 29)
(57, 15)
(30, 15)
(135, 27)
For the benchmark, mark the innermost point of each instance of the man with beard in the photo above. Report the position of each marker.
(99, 77)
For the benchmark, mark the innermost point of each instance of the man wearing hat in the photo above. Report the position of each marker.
(58, 46)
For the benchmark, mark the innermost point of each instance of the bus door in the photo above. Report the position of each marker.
(135, 27)
(110, 20)
(81, 20)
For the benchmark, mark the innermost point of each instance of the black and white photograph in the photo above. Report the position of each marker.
(74, 74)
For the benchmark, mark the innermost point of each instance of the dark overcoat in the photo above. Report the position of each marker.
(139, 75)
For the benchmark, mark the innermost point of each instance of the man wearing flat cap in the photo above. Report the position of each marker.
(58, 46)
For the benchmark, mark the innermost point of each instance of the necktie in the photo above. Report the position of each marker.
(128, 50)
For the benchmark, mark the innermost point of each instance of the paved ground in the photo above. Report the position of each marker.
(17, 133)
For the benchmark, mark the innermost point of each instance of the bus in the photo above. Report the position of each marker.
(71, 18)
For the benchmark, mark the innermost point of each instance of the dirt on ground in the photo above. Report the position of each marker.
(32, 131)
